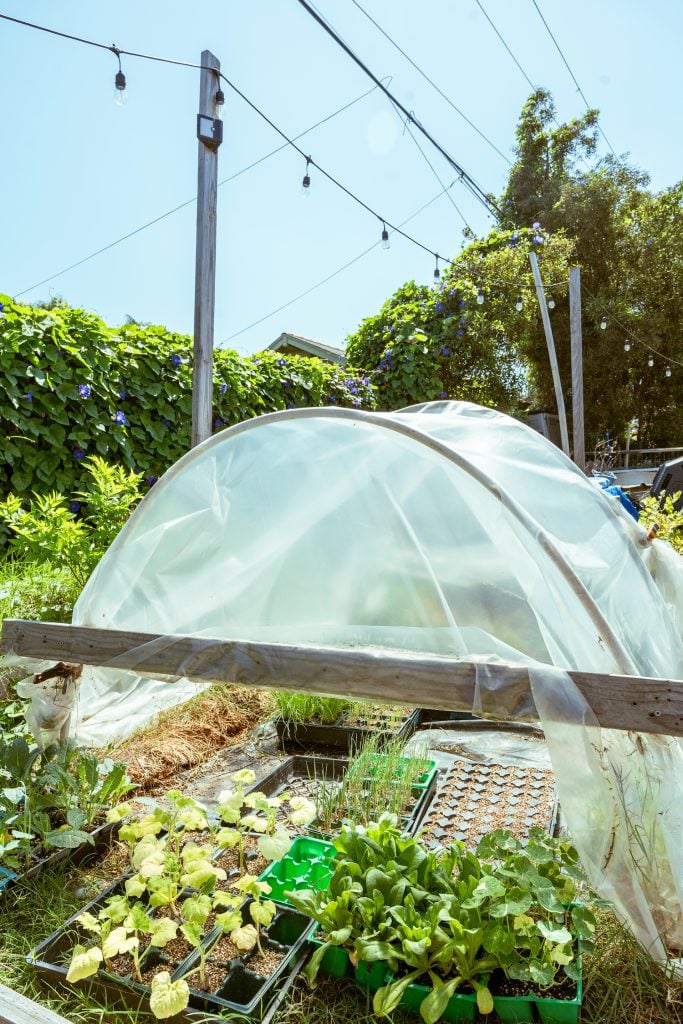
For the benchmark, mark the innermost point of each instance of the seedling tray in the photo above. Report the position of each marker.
(301, 774)
(475, 799)
(247, 993)
(103, 836)
(307, 865)
(425, 781)
(344, 737)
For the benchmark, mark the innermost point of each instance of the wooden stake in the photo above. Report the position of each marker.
(577, 367)
(205, 263)
(545, 317)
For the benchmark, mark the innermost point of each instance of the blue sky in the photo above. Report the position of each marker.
(78, 172)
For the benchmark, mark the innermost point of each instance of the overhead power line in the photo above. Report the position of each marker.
(573, 76)
(433, 84)
(339, 270)
(189, 202)
(466, 179)
(483, 11)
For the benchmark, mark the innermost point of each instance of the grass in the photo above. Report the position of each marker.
(306, 707)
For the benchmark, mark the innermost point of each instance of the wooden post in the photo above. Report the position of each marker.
(205, 264)
(577, 367)
(545, 317)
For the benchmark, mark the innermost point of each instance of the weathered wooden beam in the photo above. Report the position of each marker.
(449, 684)
(17, 1009)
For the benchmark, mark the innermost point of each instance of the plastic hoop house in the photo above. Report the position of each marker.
(446, 529)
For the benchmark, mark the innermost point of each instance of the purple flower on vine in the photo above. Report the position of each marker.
(222, 388)
(120, 418)
(75, 506)
(537, 240)
(167, 423)
(122, 394)
(282, 362)
(392, 330)
(356, 402)
(78, 453)
(176, 359)
(366, 381)
(444, 394)
(288, 405)
(536, 225)
(459, 333)
(462, 303)
(332, 400)
(84, 391)
(29, 396)
(218, 423)
(151, 479)
(287, 383)
(445, 351)
(438, 307)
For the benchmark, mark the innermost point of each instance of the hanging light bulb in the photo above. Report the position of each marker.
(306, 183)
(219, 100)
(437, 273)
(650, 362)
(519, 304)
(627, 346)
(551, 302)
(667, 372)
(119, 80)
(603, 324)
(385, 236)
(480, 297)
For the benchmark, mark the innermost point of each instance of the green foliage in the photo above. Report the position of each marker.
(71, 387)
(666, 517)
(450, 916)
(427, 344)
(48, 799)
(307, 707)
(72, 535)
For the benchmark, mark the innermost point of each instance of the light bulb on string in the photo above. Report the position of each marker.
(119, 81)
(385, 236)
(519, 304)
(627, 346)
(480, 297)
(306, 182)
(437, 272)
(219, 100)
(650, 362)
(667, 372)
(603, 324)
(551, 302)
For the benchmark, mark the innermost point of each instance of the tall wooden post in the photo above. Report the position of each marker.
(577, 366)
(209, 133)
(545, 317)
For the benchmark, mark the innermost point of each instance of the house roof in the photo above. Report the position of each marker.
(308, 347)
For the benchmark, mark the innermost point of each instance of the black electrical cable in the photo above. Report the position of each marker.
(573, 76)
(466, 179)
(483, 11)
(433, 84)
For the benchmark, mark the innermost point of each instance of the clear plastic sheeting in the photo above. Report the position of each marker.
(445, 529)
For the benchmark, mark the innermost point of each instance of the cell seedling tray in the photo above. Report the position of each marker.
(345, 737)
(476, 799)
(103, 836)
(307, 865)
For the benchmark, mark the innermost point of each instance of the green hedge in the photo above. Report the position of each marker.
(71, 387)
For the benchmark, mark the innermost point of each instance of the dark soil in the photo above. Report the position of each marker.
(499, 985)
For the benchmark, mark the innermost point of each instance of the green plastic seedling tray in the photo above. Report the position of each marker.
(461, 1007)
(307, 865)
(335, 962)
(425, 780)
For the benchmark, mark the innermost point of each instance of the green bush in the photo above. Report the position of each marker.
(73, 387)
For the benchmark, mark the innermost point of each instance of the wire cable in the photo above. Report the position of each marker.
(433, 84)
(466, 179)
(483, 11)
(573, 76)
(632, 336)
(339, 270)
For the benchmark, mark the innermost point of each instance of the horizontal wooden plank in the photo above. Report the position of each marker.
(17, 1009)
(618, 702)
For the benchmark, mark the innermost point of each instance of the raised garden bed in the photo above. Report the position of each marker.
(475, 799)
(102, 838)
(351, 730)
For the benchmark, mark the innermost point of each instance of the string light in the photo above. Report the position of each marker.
(627, 346)
(437, 272)
(551, 302)
(667, 372)
(650, 361)
(119, 80)
(219, 101)
(306, 183)
(603, 324)
(385, 236)
(519, 304)
(480, 297)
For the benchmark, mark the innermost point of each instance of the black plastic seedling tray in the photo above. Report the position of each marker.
(344, 737)
(475, 799)
(242, 992)
(300, 774)
(103, 836)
